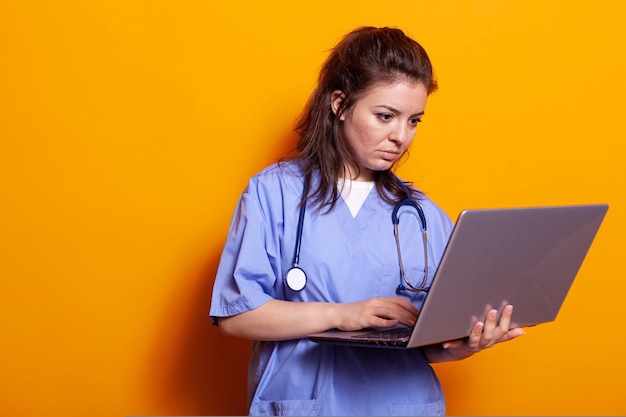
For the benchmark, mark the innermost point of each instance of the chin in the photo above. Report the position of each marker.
(385, 166)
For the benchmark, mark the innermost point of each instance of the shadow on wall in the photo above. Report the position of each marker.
(196, 370)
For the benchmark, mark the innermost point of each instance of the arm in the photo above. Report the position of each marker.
(283, 320)
(483, 336)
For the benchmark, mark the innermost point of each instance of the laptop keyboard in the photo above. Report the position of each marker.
(390, 334)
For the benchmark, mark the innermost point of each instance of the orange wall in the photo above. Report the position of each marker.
(128, 130)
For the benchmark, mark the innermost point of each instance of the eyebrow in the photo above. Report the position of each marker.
(396, 111)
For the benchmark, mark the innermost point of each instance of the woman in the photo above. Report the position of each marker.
(357, 124)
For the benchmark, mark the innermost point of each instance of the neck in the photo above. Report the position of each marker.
(364, 175)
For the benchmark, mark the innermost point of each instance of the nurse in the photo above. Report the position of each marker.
(327, 210)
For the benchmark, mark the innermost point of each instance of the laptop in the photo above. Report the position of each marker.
(527, 257)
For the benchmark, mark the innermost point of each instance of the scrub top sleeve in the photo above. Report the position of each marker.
(245, 276)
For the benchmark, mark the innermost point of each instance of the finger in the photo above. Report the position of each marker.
(515, 332)
(473, 341)
(377, 312)
(382, 322)
(505, 320)
(505, 325)
(405, 305)
(401, 309)
(490, 327)
(395, 312)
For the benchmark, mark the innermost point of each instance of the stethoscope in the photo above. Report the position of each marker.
(296, 279)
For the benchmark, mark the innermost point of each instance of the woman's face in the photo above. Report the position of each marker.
(381, 125)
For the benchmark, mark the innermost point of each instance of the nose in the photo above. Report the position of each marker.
(401, 134)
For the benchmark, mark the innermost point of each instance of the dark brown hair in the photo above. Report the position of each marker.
(364, 58)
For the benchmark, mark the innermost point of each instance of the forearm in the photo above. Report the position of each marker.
(281, 320)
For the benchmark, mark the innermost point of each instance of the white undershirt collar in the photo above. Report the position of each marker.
(354, 193)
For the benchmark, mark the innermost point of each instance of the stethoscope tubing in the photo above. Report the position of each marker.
(295, 278)
(395, 219)
(296, 252)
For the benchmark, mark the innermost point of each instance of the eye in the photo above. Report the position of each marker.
(385, 117)
(414, 121)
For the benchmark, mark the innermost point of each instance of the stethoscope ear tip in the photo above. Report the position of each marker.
(400, 289)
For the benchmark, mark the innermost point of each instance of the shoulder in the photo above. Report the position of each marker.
(439, 222)
(276, 185)
(279, 172)
(434, 213)
(277, 176)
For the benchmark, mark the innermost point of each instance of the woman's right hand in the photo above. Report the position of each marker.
(375, 312)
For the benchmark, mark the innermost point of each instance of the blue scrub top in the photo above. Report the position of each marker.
(346, 259)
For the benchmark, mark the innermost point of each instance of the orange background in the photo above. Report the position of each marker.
(129, 129)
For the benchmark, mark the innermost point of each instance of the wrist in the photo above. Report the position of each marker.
(333, 315)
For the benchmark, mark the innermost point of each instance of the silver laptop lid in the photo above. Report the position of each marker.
(527, 257)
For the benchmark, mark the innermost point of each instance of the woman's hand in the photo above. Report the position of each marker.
(484, 335)
(376, 312)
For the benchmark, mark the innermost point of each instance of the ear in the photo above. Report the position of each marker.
(336, 98)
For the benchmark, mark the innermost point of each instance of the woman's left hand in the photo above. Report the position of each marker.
(484, 335)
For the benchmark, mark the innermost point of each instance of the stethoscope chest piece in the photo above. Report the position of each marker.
(295, 278)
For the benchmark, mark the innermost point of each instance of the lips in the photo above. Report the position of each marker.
(390, 155)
